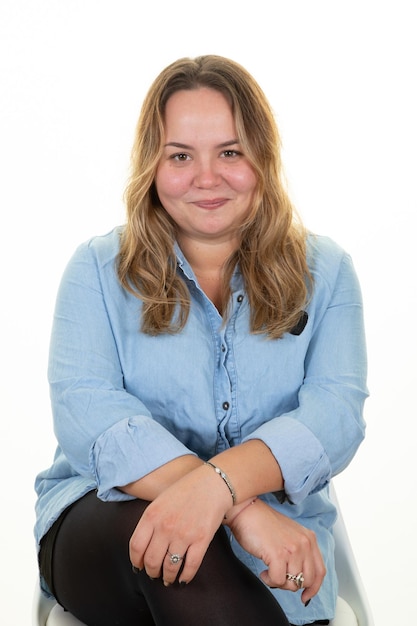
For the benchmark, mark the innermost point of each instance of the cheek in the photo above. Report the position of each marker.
(170, 184)
(244, 181)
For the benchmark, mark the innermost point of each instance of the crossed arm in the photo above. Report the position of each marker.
(189, 502)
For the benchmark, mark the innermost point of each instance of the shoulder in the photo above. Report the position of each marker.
(93, 260)
(322, 250)
(100, 249)
(105, 247)
(324, 255)
(329, 263)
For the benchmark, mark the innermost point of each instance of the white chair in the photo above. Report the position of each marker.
(352, 595)
(352, 607)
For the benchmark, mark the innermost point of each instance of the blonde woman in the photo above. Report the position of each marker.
(207, 377)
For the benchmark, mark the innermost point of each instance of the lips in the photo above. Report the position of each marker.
(215, 203)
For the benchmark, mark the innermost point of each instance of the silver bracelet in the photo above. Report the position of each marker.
(225, 478)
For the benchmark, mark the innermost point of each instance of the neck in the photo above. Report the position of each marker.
(205, 257)
(207, 260)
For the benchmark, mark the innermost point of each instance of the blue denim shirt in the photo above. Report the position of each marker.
(124, 403)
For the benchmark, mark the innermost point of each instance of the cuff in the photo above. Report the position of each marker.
(304, 463)
(128, 451)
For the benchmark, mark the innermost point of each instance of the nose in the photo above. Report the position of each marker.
(207, 174)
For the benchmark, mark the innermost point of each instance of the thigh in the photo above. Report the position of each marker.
(92, 575)
(93, 578)
(224, 592)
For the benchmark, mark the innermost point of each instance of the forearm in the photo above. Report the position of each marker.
(251, 468)
(150, 486)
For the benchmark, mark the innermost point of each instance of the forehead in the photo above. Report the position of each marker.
(198, 95)
(202, 108)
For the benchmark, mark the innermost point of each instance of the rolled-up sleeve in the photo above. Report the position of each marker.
(131, 448)
(107, 434)
(318, 438)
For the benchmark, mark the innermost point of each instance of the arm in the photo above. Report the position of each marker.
(327, 424)
(262, 473)
(186, 512)
(185, 515)
(106, 433)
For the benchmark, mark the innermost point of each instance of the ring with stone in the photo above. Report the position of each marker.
(298, 579)
(174, 558)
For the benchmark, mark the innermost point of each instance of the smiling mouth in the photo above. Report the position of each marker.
(211, 204)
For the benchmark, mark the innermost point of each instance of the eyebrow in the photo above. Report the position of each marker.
(175, 144)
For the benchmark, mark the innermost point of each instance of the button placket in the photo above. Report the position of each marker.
(227, 374)
(223, 388)
(224, 351)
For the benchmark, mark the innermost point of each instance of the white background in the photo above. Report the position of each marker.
(341, 77)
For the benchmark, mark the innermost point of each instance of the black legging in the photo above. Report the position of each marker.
(85, 560)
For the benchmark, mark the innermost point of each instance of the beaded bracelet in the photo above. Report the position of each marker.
(225, 478)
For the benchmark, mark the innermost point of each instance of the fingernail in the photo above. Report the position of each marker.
(166, 584)
(183, 583)
(136, 570)
(307, 603)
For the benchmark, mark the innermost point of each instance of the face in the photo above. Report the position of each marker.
(204, 181)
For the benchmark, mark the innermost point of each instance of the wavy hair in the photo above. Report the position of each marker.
(272, 251)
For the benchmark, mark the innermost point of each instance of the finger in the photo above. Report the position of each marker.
(275, 576)
(315, 571)
(316, 581)
(138, 544)
(173, 565)
(297, 580)
(192, 562)
(282, 575)
(273, 582)
(147, 549)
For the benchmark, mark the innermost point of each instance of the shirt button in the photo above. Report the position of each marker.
(240, 298)
(223, 348)
(226, 406)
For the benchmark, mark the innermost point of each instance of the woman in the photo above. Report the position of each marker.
(203, 389)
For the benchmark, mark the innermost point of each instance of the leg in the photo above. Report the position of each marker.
(224, 592)
(91, 572)
(93, 578)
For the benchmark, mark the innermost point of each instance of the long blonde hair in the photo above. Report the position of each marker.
(272, 251)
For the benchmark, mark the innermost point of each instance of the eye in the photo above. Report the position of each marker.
(231, 153)
(180, 156)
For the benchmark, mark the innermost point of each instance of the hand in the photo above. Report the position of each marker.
(283, 545)
(181, 520)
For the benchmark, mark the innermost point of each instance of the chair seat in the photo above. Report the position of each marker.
(59, 617)
(344, 616)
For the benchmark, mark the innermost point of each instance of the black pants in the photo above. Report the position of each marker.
(85, 561)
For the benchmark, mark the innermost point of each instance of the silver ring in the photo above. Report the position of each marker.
(297, 579)
(174, 558)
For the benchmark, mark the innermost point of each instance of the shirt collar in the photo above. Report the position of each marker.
(183, 264)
